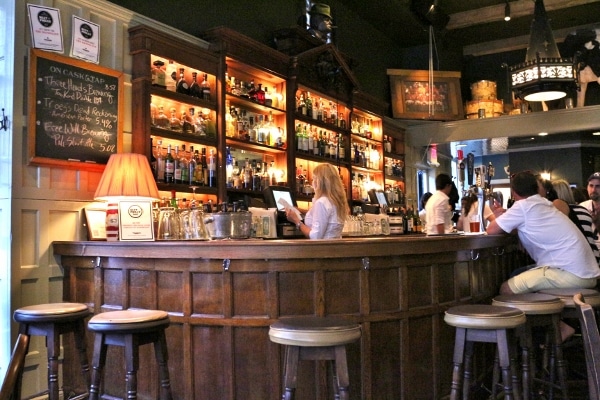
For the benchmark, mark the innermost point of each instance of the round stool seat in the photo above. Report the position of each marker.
(531, 303)
(314, 331)
(483, 316)
(52, 312)
(128, 320)
(591, 296)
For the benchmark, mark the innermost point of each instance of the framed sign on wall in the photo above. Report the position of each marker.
(75, 112)
(416, 95)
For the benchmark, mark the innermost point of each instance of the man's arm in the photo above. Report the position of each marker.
(494, 229)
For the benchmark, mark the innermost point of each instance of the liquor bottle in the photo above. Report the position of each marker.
(174, 122)
(186, 123)
(228, 167)
(243, 89)
(256, 176)
(182, 85)
(177, 167)
(173, 203)
(171, 76)
(204, 168)
(260, 130)
(260, 94)
(183, 163)
(160, 163)
(316, 143)
(268, 98)
(159, 74)
(153, 162)
(198, 123)
(332, 147)
(247, 184)
(236, 175)
(341, 121)
(252, 90)
(212, 169)
(265, 179)
(236, 87)
(169, 166)
(205, 88)
(195, 89)
(197, 173)
(341, 147)
(309, 105)
(228, 85)
(161, 120)
(191, 168)
(301, 105)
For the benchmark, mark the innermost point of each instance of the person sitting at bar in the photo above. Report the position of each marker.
(326, 217)
(438, 209)
(561, 196)
(593, 204)
(562, 258)
(470, 207)
(423, 214)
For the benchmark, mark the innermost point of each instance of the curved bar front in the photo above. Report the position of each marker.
(222, 296)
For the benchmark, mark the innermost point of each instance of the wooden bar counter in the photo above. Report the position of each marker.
(223, 295)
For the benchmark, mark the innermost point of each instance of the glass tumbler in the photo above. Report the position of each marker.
(168, 224)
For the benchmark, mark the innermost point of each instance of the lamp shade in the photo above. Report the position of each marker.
(127, 175)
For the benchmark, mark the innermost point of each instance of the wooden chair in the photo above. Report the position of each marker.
(15, 368)
(591, 342)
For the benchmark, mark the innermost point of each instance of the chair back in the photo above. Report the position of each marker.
(591, 342)
(15, 369)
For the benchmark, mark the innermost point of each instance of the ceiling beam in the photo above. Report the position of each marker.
(519, 8)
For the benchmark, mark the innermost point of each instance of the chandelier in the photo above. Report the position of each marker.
(544, 75)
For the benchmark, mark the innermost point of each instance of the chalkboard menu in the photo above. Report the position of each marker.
(75, 117)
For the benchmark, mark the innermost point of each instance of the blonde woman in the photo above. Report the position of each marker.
(326, 217)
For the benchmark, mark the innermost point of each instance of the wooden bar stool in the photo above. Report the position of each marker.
(315, 338)
(52, 320)
(484, 323)
(130, 329)
(591, 296)
(541, 310)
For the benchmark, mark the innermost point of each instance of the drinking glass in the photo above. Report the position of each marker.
(168, 224)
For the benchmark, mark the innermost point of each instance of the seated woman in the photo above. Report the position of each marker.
(561, 196)
(470, 207)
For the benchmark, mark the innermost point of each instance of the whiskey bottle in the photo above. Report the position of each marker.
(171, 76)
(205, 88)
(174, 122)
(260, 94)
(198, 170)
(160, 163)
(186, 123)
(177, 166)
(182, 85)
(195, 89)
(169, 166)
(203, 168)
(247, 175)
(183, 162)
(212, 169)
(159, 74)
(191, 168)
(161, 120)
(268, 98)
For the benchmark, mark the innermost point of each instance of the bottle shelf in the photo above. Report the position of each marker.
(394, 178)
(253, 106)
(394, 156)
(318, 159)
(367, 170)
(184, 137)
(185, 188)
(182, 98)
(320, 124)
(248, 145)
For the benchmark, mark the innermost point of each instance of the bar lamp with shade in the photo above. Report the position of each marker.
(545, 75)
(127, 176)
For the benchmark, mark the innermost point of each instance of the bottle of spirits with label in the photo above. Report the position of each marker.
(177, 168)
(182, 85)
(191, 168)
(204, 168)
(198, 169)
(171, 76)
(174, 122)
(195, 89)
(260, 94)
(212, 169)
(186, 124)
(159, 74)
(183, 162)
(205, 88)
(161, 120)
(169, 166)
(160, 163)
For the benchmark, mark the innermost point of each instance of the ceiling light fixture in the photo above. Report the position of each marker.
(544, 75)
(507, 12)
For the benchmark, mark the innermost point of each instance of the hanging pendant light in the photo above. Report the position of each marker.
(544, 75)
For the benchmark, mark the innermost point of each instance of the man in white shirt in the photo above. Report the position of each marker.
(593, 204)
(563, 258)
(438, 209)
